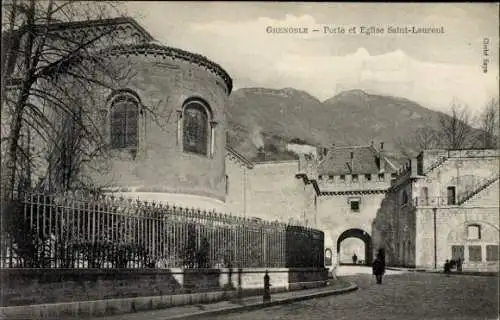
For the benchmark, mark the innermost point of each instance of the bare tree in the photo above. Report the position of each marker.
(488, 123)
(423, 139)
(455, 129)
(45, 70)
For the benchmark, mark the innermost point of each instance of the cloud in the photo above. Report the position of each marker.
(281, 60)
(325, 64)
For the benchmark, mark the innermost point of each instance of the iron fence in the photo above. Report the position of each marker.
(82, 231)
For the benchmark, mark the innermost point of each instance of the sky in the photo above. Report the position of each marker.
(432, 69)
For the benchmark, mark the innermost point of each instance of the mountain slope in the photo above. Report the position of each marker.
(270, 118)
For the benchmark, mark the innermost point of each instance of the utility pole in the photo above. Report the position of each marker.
(435, 238)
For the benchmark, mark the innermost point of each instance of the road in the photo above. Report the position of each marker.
(411, 295)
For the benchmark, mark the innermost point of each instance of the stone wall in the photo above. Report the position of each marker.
(274, 193)
(334, 216)
(163, 85)
(41, 286)
(451, 224)
(237, 190)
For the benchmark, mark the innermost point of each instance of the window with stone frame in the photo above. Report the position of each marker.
(475, 253)
(368, 177)
(355, 204)
(195, 127)
(124, 121)
(492, 252)
(474, 232)
(451, 195)
(381, 177)
(354, 178)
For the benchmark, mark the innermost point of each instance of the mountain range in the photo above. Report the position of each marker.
(269, 118)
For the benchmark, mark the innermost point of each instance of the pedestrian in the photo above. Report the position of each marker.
(459, 264)
(447, 267)
(378, 266)
(354, 258)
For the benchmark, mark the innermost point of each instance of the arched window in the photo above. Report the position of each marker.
(196, 127)
(124, 121)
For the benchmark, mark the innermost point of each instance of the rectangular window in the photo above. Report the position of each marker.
(451, 195)
(320, 177)
(425, 196)
(368, 177)
(420, 166)
(354, 205)
(491, 253)
(342, 177)
(330, 177)
(381, 177)
(474, 232)
(354, 178)
(475, 253)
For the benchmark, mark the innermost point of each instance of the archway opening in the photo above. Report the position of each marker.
(354, 241)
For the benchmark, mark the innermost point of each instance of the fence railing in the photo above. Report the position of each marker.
(432, 202)
(76, 231)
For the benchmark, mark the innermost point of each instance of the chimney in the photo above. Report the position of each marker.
(381, 158)
(352, 160)
(261, 154)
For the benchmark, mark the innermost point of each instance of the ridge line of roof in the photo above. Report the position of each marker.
(351, 147)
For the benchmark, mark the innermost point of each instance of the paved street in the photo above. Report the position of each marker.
(410, 295)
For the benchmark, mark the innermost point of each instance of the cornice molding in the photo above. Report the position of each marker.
(156, 49)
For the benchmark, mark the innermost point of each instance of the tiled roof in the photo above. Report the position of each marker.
(364, 160)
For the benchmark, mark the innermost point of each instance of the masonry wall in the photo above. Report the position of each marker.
(274, 193)
(236, 197)
(467, 174)
(160, 165)
(335, 216)
(451, 226)
(464, 173)
(25, 286)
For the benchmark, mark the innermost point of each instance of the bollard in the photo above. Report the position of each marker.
(267, 288)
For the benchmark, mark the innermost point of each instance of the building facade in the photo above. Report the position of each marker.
(443, 205)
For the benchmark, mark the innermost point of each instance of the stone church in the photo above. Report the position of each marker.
(166, 127)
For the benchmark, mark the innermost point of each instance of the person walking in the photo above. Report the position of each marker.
(378, 266)
(354, 258)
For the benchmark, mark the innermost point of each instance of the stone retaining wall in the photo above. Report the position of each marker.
(22, 287)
